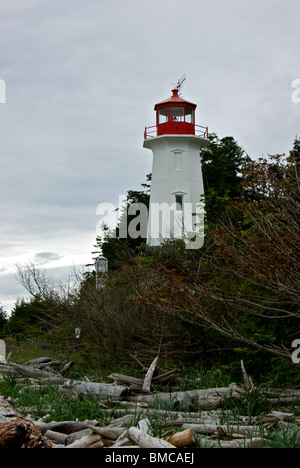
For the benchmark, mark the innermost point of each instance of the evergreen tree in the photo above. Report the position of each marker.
(221, 161)
(3, 319)
(115, 248)
(295, 152)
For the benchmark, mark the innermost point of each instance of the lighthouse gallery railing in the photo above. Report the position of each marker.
(151, 132)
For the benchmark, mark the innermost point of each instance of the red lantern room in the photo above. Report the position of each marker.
(175, 116)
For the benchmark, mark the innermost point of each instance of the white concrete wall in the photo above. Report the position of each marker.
(176, 168)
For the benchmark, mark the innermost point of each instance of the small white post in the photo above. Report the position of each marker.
(2, 351)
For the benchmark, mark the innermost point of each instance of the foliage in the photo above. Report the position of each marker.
(237, 297)
(3, 319)
(221, 162)
(25, 320)
(116, 246)
(247, 283)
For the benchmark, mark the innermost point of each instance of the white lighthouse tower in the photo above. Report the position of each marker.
(176, 210)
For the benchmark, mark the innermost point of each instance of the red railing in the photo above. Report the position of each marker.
(201, 131)
(151, 132)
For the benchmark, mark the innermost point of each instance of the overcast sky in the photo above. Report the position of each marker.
(82, 78)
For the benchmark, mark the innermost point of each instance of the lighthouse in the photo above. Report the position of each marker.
(176, 210)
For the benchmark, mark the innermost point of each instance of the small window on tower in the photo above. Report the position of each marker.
(179, 202)
(177, 161)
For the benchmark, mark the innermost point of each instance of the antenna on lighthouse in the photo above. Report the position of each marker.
(180, 83)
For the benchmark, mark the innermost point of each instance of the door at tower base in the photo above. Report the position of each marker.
(176, 222)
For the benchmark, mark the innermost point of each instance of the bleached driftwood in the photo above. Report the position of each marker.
(101, 389)
(76, 435)
(145, 426)
(204, 398)
(127, 379)
(256, 442)
(38, 361)
(122, 441)
(146, 388)
(228, 429)
(57, 437)
(87, 441)
(108, 432)
(146, 441)
(291, 431)
(66, 427)
(28, 371)
(247, 379)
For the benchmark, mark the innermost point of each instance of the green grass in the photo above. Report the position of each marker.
(48, 402)
(198, 377)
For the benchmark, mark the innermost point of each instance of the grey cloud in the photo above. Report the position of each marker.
(42, 258)
(82, 79)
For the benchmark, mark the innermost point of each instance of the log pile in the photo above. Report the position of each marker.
(196, 419)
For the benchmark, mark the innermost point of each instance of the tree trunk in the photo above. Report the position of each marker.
(17, 432)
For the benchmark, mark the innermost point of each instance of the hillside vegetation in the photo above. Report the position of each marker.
(236, 298)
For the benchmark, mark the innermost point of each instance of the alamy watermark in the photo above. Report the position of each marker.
(2, 92)
(162, 222)
(296, 94)
(296, 353)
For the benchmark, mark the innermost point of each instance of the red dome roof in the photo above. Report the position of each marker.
(174, 100)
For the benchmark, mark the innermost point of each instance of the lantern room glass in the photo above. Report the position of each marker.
(163, 115)
(176, 114)
(189, 115)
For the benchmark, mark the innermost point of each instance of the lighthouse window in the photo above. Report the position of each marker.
(179, 202)
(163, 115)
(189, 115)
(177, 114)
(177, 161)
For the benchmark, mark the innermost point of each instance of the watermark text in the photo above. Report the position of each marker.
(158, 223)
(2, 92)
(296, 93)
(296, 353)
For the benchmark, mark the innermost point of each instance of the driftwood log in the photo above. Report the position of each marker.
(146, 441)
(146, 388)
(204, 398)
(64, 427)
(91, 440)
(104, 390)
(136, 417)
(184, 438)
(226, 430)
(28, 371)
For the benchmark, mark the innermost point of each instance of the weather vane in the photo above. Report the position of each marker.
(180, 83)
